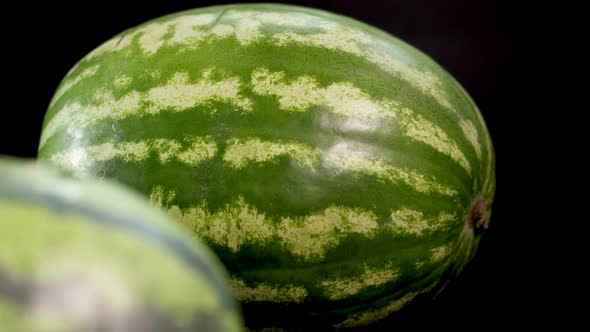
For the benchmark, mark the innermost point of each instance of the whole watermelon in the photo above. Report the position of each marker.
(80, 257)
(337, 171)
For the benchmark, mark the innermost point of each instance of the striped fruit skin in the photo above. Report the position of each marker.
(336, 171)
(91, 256)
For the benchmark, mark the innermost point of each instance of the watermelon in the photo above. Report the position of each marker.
(337, 172)
(90, 256)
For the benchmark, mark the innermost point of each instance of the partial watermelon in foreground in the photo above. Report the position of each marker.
(337, 171)
(94, 257)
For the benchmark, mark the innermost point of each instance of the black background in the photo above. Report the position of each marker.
(519, 61)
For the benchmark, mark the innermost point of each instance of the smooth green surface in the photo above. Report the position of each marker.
(327, 153)
(75, 256)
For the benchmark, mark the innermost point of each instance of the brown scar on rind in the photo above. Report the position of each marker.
(478, 215)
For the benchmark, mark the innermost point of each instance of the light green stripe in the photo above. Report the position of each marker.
(303, 92)
(352, 157)
(333, 288)
(238, 223)
(440, 253)
(122, 81)
(267, 293)
(472, 136)
(341, 288)
(372, 315)
(180, 94)
(489, 181)
(248, 26)
(177, 95)
(240, 153)
(405, 221)
(482, 133)
(345, 157)
(420, 129)
(190, 151)
(71, 82)
(308, 237)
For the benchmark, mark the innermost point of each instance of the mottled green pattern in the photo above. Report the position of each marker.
(333, 150)
(68, 263)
